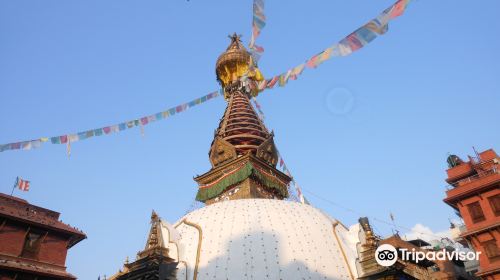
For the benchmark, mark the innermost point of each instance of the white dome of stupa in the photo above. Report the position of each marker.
(262, 239)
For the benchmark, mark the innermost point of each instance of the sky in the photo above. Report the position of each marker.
(369, 132)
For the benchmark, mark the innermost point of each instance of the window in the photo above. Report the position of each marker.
(495, 204)
(491, 250)
(31, 244)
(476, 212)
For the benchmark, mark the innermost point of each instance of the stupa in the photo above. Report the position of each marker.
(247, 229)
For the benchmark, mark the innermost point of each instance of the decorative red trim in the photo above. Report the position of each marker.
(271, 175)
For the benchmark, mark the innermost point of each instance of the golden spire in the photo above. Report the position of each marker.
(235, 63)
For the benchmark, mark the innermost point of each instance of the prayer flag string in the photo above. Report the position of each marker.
(83, 135)
(282, 166)
(258, 23)
(259, 109)
(353, 42)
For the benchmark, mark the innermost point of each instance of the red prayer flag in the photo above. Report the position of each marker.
(311, 63)
(398, 8)
(23, 184)
(258, 48)
(272, 82)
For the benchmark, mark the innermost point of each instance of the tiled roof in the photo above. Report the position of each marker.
(19, 209)
(38, 268)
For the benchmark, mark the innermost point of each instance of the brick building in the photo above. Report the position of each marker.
(475, 195)
(33, 242)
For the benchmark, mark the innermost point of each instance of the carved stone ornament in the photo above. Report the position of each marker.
(221, 151)
(267, 152)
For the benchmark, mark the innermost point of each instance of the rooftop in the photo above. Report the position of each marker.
(21, 210)
(479, 174)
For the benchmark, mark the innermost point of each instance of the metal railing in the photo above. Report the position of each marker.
(482, 174)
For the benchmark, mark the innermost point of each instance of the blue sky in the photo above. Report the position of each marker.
(370, 131)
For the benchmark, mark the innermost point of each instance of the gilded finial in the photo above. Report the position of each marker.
(235, 37)
(235, 63)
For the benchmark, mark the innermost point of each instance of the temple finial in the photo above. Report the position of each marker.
(235, 37)
(154, 238)
(154, 216)
(235, 63)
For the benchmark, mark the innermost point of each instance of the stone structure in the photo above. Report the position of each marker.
(154, 261)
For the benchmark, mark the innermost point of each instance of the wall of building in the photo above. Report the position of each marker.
(478, 240)
(482, 199)
(11, 238)
(53, 247)
(54, 250)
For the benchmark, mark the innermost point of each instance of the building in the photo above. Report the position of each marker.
(247, 229)
(368, 268)
(475, 195)
(471, 266)
(33, 242)
(153, 262)
(242, 154)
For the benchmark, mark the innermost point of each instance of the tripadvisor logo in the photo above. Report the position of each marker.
(387, 255)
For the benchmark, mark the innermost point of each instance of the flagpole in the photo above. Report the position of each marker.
(15, 185)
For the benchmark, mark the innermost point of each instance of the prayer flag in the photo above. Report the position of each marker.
(115, 128)
(73, 137)
(366, 35)
(26, 145)
(398, 8)
(272, 82)
(82, 135)
(122, 126)
(23, 185)
(89, 133)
